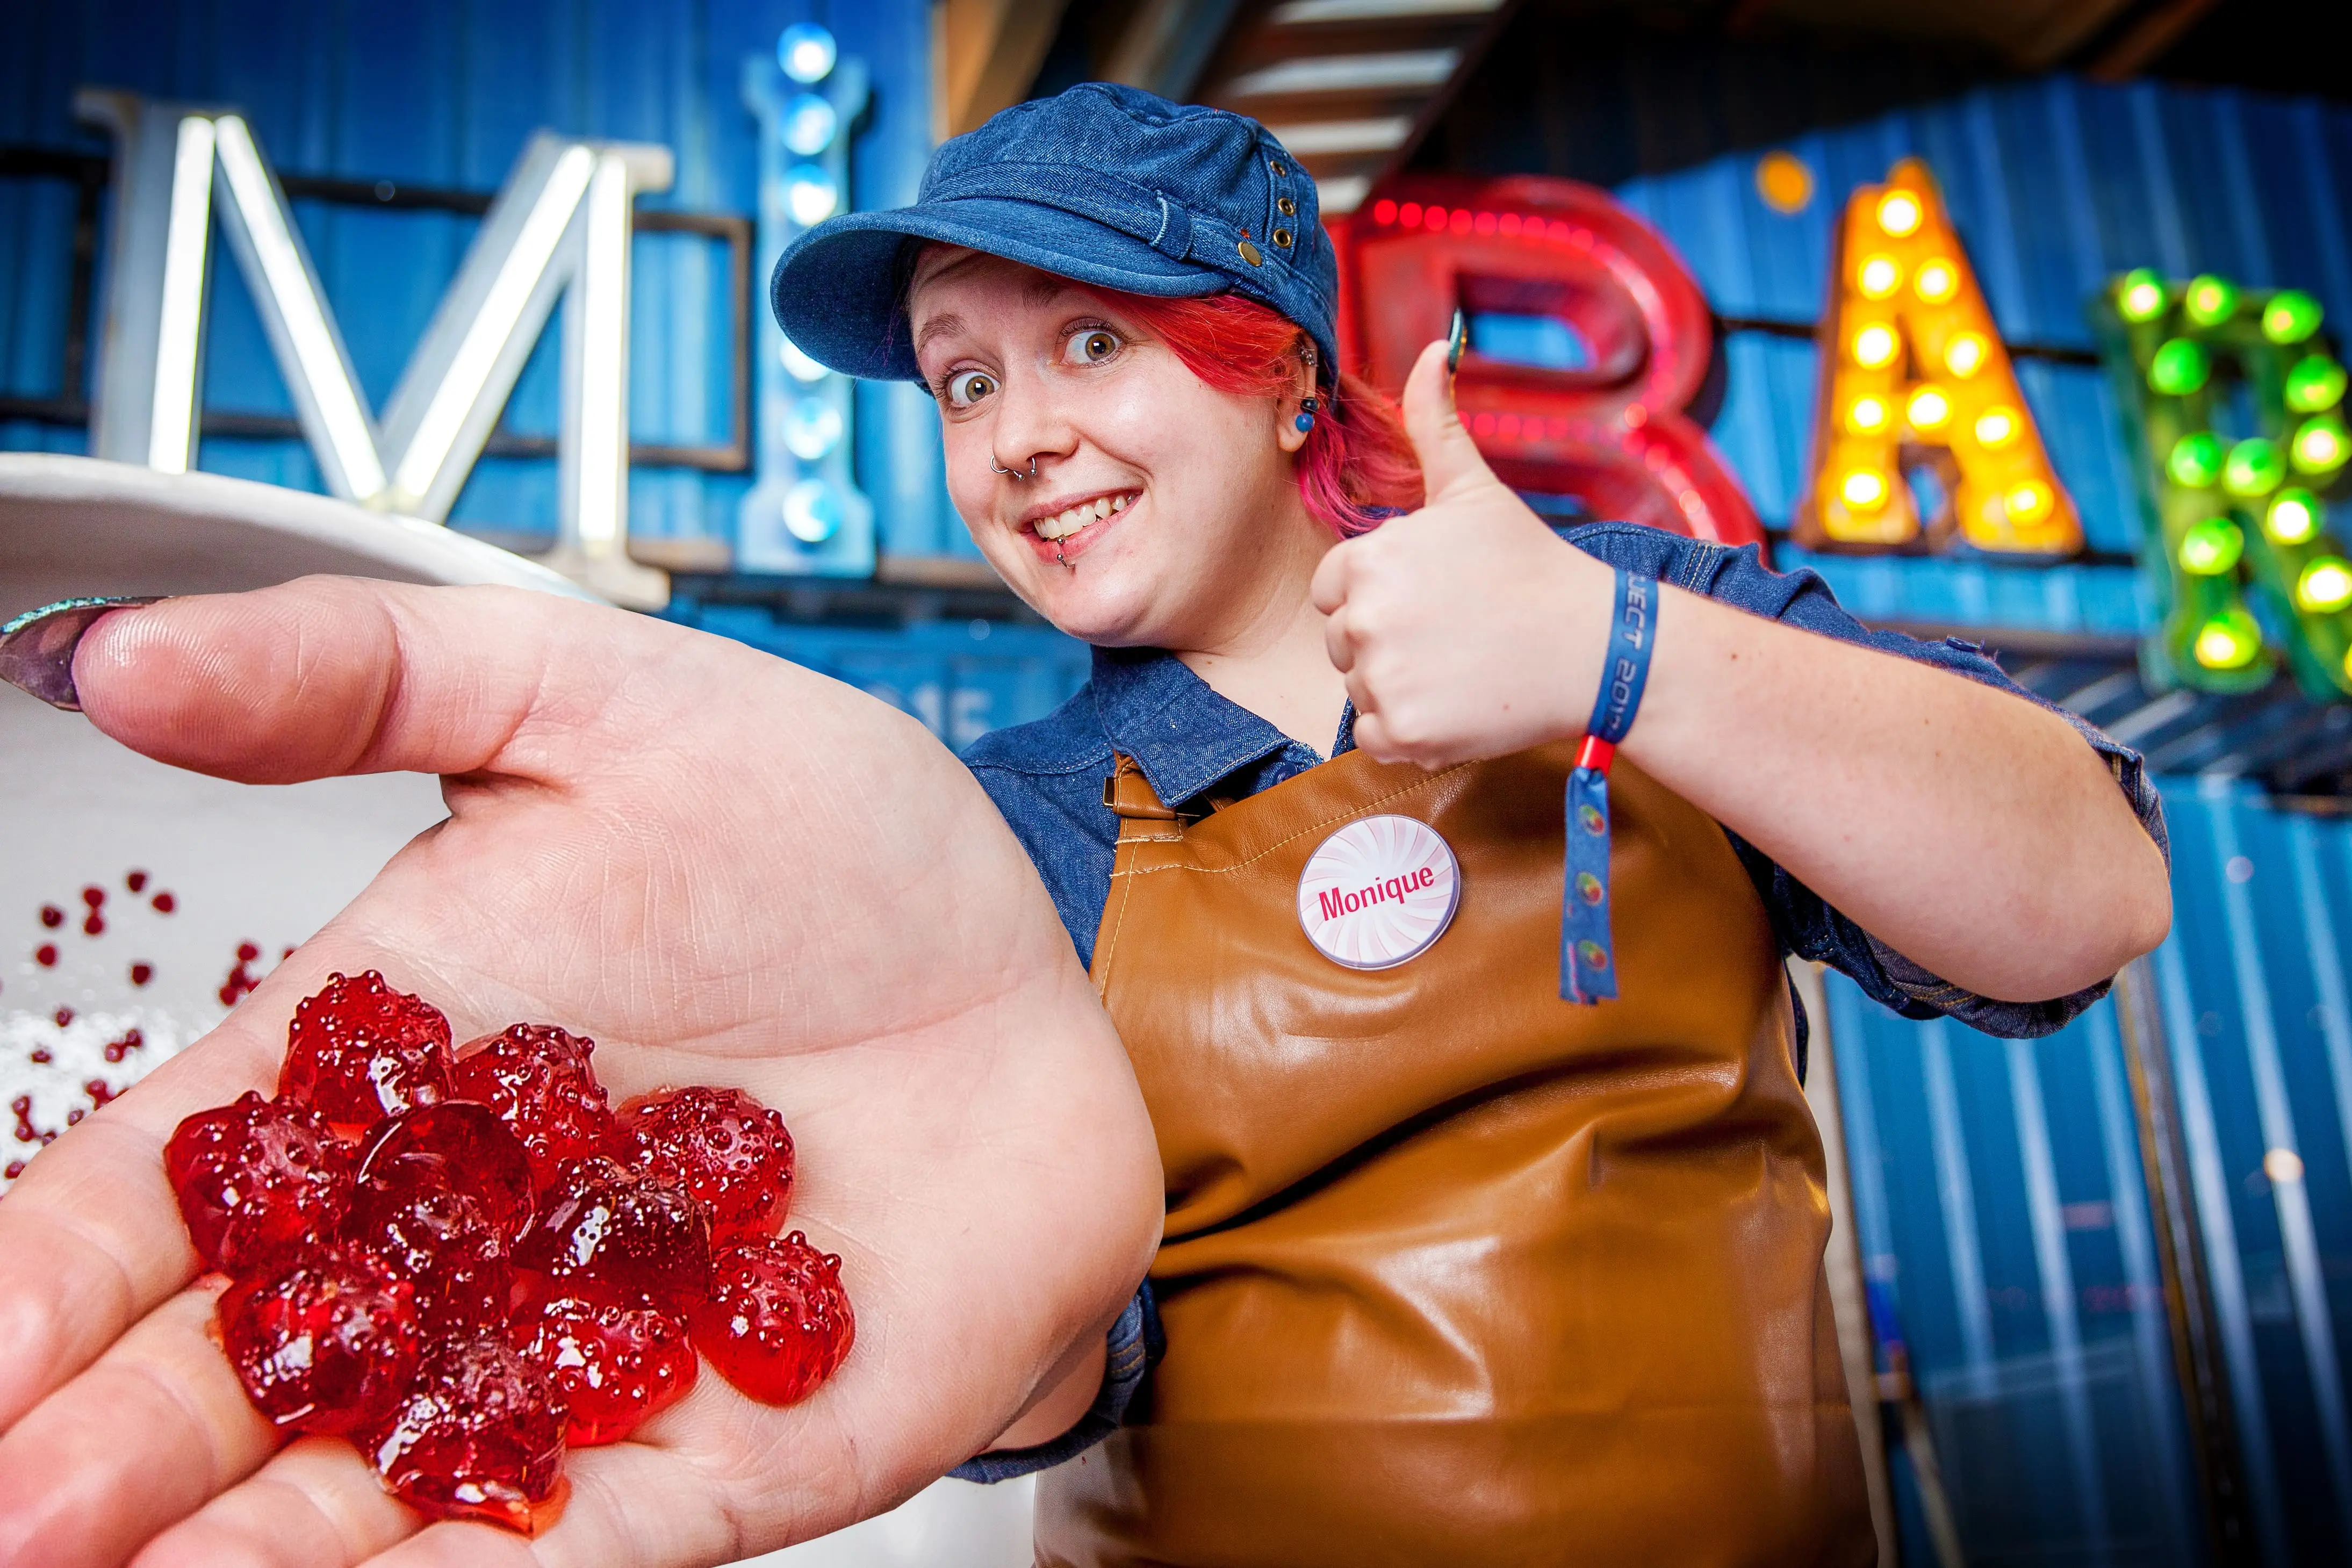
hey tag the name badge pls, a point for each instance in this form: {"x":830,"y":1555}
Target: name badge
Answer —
{"x":1378,"y":891}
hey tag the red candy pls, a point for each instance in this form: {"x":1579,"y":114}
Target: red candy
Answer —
{"x":360,"y":1051}
{"x":728,"y":1149}
{"x":616,"y":1364}
{"x":777,"y":1322}
{"x":537,"y":1079}
{"x":328,"y":1345}
{"x":465,"y":1266}
{"x":440,"y":1240}
{"x":480,"y":1436}
{"x":460,"y":1144}
{"x":254,"y":1179}
{"x":628,"y":1230}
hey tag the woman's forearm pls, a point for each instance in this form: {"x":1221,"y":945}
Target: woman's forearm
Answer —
{"x":1970,"y":830}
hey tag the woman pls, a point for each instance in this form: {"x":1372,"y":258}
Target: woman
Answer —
{"x":1454,"y":1269}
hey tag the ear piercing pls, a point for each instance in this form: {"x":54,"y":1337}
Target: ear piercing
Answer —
{"x":1306,"y":420}
{"x":1016,"y":473}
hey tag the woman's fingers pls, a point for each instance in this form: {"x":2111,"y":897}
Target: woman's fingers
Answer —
{"x":315,"y":1504}
{"x":141,"y":1440}
{"x":90,"y":1237}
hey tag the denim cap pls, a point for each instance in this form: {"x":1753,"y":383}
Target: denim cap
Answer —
{"x":1106,"y":184}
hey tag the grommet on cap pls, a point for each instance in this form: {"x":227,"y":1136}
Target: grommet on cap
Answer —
{"x":1250,"y":253}
{"x":1282,"y":239}
{"x":1285,"y":206}
{"x":1275,"y":166}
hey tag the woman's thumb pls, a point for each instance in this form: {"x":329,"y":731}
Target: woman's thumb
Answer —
{"x":1449,"y":459}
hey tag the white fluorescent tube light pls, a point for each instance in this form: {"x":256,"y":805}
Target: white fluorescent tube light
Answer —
{"x":293,"y":292}
{"x":171,"y":425}
{"x":502,"y":308}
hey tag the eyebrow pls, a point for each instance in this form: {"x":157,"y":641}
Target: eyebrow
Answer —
{"x":938,"y":326}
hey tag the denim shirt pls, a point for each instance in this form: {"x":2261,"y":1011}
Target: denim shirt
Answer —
{"x":1196,"y":747}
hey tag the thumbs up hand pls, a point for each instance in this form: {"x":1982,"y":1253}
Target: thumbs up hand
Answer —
{"x":1465,"y":629}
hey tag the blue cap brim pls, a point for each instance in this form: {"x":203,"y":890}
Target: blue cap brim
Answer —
{"x":836,"y":288}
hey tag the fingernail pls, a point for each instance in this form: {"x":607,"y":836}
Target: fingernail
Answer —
{"x":37,"y":648}
{"x":1457,"y":338}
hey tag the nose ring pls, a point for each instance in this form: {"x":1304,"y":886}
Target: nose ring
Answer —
{"x":1016,"y":473}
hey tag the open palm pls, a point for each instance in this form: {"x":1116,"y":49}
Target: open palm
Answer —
{"x":726,"y":870}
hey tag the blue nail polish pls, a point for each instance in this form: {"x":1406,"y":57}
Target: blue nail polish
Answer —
{"x":37,"y":648}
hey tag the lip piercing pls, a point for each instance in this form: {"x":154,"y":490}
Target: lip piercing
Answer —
{"x":1016,"y":473}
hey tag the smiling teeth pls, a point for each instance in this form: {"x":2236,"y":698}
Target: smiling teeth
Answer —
{"x":1061,"y":525}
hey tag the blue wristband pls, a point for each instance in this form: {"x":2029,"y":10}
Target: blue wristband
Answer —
{"x":1587,"y":965}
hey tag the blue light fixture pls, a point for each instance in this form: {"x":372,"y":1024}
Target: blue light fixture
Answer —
{"x":806,"y":51}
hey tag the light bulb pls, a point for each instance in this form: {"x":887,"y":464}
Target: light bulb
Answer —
{"x":2325,"y":586}
{"x":2195,"y":459}
{"x":2141,"y":297}
{"x":1899,"y":213}
{"x":2292,"y":517}
{"x":1928,"y":408}
{"x":1937,"y":280}
{"x":2254,"y":467}
{"x":2229,"y":641}
{"x":2210,"y":300}
{"x":2209,"y":548}
{"x":1875,"y":346}
{"x":2321,"y":446}
{"x":1997,"y":426}
{"x":2290,"y":317}
{"x":2180,"y":367}
{"x":1878,"y":277}
{"x":2027,"y":501}
{"x":809,"y":122}
{"x":2315,"y":381}
{"x":810,"y":194}
{"x":1965,"y":353}
{"x":1866,"y":416}
{"x":1864,"y":489}
{"x":806,"y":51}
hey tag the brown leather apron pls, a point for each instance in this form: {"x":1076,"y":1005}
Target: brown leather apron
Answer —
{"x":1456,"y":1272}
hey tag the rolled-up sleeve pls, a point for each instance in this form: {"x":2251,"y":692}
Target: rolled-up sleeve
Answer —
{"x":1807,"y":925}
{"x":1135,"y":1342}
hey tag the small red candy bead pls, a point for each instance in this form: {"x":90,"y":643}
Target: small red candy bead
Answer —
{"x":777,"y":1322}
{"x":617,"y":1363}
{"x":328,"y":1345}
{"x":603,"y":1223}
{"x":359,"y":1051}
{"x":438,"y":1239}
{"x":480,"y":1436}
{"x":539,"y":1080}
{"x":728,"y":1149}
{"x":460,"y":1143}
{"x":255,"y":1179}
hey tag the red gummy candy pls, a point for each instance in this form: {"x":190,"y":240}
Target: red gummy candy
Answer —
{"x":254,"y":1179}
{"x":537,"y":1079}
{"x":359,"y":1051}
{"x":438,"y":1239}
{"x":725,"y":1147}
{"x":615,"y":1363}
{"x":459,"y":1143}
{"x":604,"y":1223}
{"x":777,"y":1322}
{"x":326,"y":1346}
{"x":480,"y":1436}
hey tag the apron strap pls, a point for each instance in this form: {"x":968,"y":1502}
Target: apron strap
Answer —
{"x":1142,"y":817}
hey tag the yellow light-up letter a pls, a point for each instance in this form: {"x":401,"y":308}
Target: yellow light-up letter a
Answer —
{"x":1915,"y":378}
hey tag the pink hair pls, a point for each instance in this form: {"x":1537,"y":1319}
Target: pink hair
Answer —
{"x":1357,"y":467}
